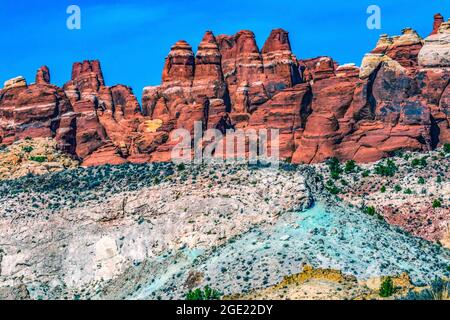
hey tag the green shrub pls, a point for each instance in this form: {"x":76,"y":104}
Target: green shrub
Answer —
{"x":206,"y":294}
{"x":181,"y":167}
{"x":397,"y":188}
{"x":350,"y":166}
{"x":437,"y":203}
{"x":331,"y":187}
{"x":386,"y":169}
{"x":421,"y":180}
{"x":447,"y":148}
{"x":335,"y":168}
{"x":387,"y":288}
{"x":365,"y":173}
{"x":383,"y":189}
{"x":422,"y":162}
{"x":371,"y":211}
{"x":27,"y":149}
{"x":408,"y":191}
{"x":38,"y":158}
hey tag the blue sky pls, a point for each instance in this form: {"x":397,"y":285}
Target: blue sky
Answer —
{"x":131,"y":38}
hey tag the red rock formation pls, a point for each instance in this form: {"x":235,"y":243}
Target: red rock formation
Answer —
{"x":108,"y":119}
{"x":179,"y":66}
{"x":43,"y":75}
{"x":398,"y":99}
{"x":438,"y":20}
{"x":243,"y":71}
{"x":280,"y":65}
{"x":208,"y":71}
{"x":332,"y":97}
{"x":82,"y":91}
{"x":287,"y":112}
{"x":35,"y":111}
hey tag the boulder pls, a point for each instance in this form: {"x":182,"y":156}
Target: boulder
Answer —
{"x":436,"y":50}
{"x":17,"y":82}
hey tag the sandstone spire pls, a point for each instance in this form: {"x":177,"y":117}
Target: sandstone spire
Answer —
{"x":438,"y":20}
{"x":280,"y":65}
{"x":208,"y":60}
{"x":43,"y":75}
{"x":180,"y":64}
{"x":278,"y":41}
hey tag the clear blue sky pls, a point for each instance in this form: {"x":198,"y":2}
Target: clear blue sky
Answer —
{"x":131,"y":38}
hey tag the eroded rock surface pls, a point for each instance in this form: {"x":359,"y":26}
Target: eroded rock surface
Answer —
{"x":397,"y":99}
{"x":159,"y":230}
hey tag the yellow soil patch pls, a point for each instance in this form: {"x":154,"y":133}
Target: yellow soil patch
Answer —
{"x":324,"y":284}
{"x":152,"y":126}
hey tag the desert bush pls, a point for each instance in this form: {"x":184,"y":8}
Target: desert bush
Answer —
{"x":27,"y":149}
{"x":206,"y":294}
{"x":332,"y":188}
{"x":408,"y":191}
{"x":365,"y":173}
{"x":350,"y":166}
{"x":387,"y":288}
{"x":447,"y":148}
{"x":39,"y":159}
{"x":386,"y":169}
{"x":422,"y":162}
{"x":437,"y":203}
{"x":335,"y":168}
{"x":371,"y":211}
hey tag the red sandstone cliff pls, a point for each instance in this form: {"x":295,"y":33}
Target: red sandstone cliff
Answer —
{"x":399,"y":98}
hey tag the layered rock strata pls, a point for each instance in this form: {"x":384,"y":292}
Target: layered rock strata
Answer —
{"x":397,"y":99}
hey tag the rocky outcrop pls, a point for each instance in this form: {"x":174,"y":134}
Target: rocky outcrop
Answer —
{"x":33,"y":156}
{"x":402,"y":49}
{"x":89,"y":120}
{"x":108,"y":119}
{"x":438,"y":20}
{"x":17,"y":82}
{"x":243,"y":70}
{"x":326,"y":126}
{"x":394,"y":104}
{"x":33,"y":111}
{"x":233,"y":86}
{"x":436,"y":51}
{"x":280,"y":65}
{"x":43,"y":75}
{"x":397,"y":99}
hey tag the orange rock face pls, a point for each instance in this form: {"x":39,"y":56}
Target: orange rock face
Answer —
{"x":43,"y":75}
{"x":398,"y":99}
{"x":37,"y":110}
{"x":438,"y":20}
